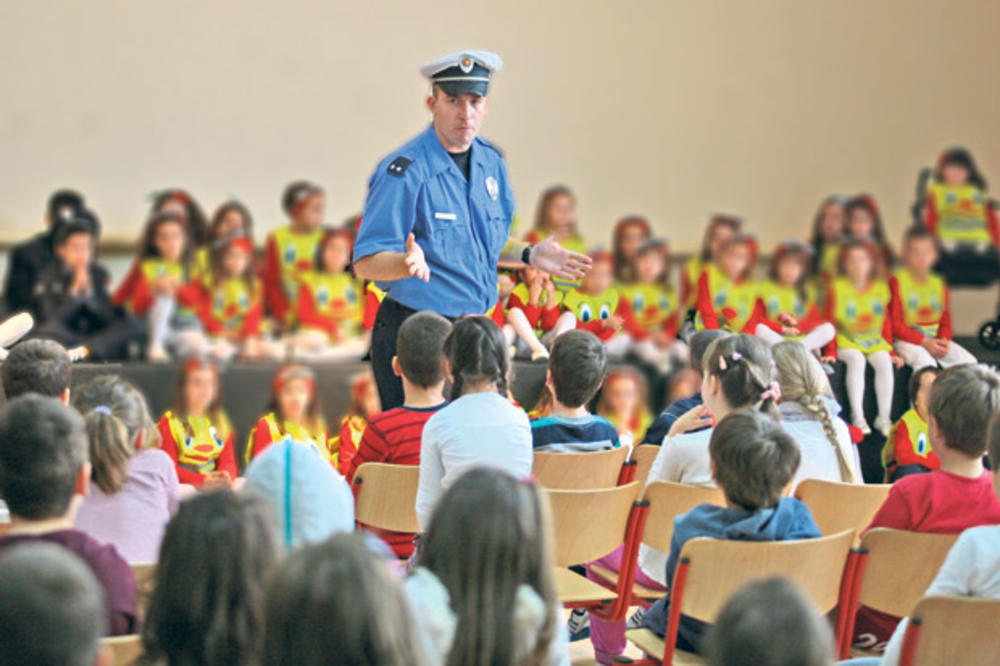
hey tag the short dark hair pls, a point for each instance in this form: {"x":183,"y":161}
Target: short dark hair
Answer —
{"x":36,"y":366}
{"x":63,"y":204}
{"x":701,"y":341}
{"x":420,"y":348}
{"x":43,"y":445}
{"x":918,"y":375}
{"x":297,"y":191}
{"x":918,"y":232}
{"x":64,"y":230}
{"x":578,"y":363}
{"x":754,"y":459}
{"x":964,"y":399}
{"x":52,"y":609}
{"x":766,"y":623}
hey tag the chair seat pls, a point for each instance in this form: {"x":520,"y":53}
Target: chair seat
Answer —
{"x":574,"y":588}
{"x":638,"y":589}
{"x":859,"y":653}
{"x":653,"y":645}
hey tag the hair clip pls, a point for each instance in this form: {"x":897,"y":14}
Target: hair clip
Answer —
{"x":736,"y":356}
{"x":722,"y":363}
{"x":774,"y":393}
{"x":102,"y":409}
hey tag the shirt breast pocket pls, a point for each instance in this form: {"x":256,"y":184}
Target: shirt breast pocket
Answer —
{"x":444,"y":232}
{"x":497,"y":228}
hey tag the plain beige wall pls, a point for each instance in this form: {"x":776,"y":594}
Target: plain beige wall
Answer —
{"x":668,"y":108}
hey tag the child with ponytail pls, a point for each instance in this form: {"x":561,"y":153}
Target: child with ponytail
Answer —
{"x":808,"y":413}
{"x":480,"y":427}
{"x":134,"y":489}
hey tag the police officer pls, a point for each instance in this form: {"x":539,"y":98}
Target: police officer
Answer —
{"x":438,"y":215}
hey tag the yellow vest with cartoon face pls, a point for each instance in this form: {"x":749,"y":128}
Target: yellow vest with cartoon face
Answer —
{"x":588,"y":308}
{"x":231,"y":300}
{"x":335,"y":296}
{"x":860,"y":315}
{"x":733,"y":302}
{"x":296,"y":254}
{"x":779,"y":298}
{"x":652,"y":304}
{"x":961,"y":213}
{"x":923,"y":303}
{"x":200,"y":444}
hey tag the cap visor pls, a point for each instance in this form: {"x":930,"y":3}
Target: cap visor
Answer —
{"x":456,"y":88}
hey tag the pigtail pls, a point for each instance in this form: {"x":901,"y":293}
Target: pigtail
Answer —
{"x":477,"y":351}
{"x":815,"y":406}
{"x":745,"y":368}
{"x":110,"y":449}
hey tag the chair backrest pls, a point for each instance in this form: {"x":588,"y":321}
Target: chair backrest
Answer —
{"x":899,"y":567}
{"x":841,"y":506}
{"x":145,"y":580}
{"x":952,"y":630}
{"x":124,"y":649}
{"x":644,"y":455}
{"x":589,"y":524}
{"x":667,"y":500}
{"x":717,"y":568}
{"x":386,"y":496}
{"x":579,"y":471}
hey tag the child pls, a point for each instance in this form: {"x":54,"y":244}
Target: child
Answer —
{"x":908,"y":448}
{"x":328,"y":307}
{"x":718,"y":232}
{"x":957,"y":210}
{"x":955,"y":497}
{"x":858,"y":305}
{"x":134,"y":489}
{"x":338,"y":583}
{"x":231,"y":220}
{"x":921,"y":320}
{"x":654,"y":306}
{"x":789,"y":300}
{"x":533,"y":310}
{"x":864,"y":222}
{"x":364,"y":405}
{"x":597,"y":306}
{"x":207,"y":605}
{"x":769,"y":623}
{"x":623,"y":403}
{"x":179,"y":201}
{"x":753,"y":460}
{"x":630,"y":233}
{"x":576,"y":371}
{"x":809,"y":414}
{"x":196,"y":432}
{"x":37,"y":366}
{"x":556,"y":216}
{"x":483,"y":591}
{"x":727,"y":298}
{"x":480,"y":426}
{"x":291,"y":249}
{"x":294,"y":412}
{"x":43,"y":469}
{"x":973,"y":563}
{"x":152,"y":286}
{"x":394,"y":435}
{"x":828,"y":231}
{"x":51,"y":610}
{"x":71,"y":301}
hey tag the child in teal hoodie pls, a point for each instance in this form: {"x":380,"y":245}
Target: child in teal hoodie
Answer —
{"x":753,"y":461}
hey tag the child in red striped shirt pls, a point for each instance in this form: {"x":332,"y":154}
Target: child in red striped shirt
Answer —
{"x":394,"y":435}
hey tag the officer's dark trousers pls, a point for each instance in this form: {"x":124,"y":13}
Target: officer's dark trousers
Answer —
{"x":390,"y":317}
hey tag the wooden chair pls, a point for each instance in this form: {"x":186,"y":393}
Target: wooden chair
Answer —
{"x":145,"y":580}
{"x":124,"y":650}
{"x":644,"y":455}
{"x":587,"y":525}
{"x":841,"y":506}
{"x":579,"y":471}
{"x":711,"y":570}
{"x":385,"y":496}
{"x":894,"y":568}
{"x":952,"y":630}
{"x":666,"y":501}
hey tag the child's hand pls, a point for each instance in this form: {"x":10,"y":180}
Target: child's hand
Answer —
{"x":692,"y":419}
{"x":827,"y":358}
{"x":935,"y":346}
{"x":614,"y":321}
{"x":81,"y":283}
{"x":220,"y":479}
{"x":165,"y":285}
{"x":788,"y":320}
{"x":898,"y":361}
{"x":790,"y":331}
{"x":534,"y":291}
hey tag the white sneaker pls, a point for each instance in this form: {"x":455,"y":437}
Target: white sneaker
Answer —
{"x":635,"y":622}
{"x":863,"y":427}
{"x":883,"y":425}
{"x":157,"y":354}
{"x":578,"y":624}
{"x":539,"y":355}
{"x":77,"y":354}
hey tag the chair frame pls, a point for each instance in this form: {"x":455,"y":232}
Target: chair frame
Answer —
{"x":914,"y":629}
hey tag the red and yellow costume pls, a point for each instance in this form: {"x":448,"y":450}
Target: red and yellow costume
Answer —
{"x":345,"y":444}
{"x":288,"y":256}
{"x":592,"y":310}
{"x":961,"y":214}
{"x":135,"y":292}
{"x":689,"y":281}
{"x":778,"y":299}
{"x":908,"y":444}
{"x":198,"y":445}
{"x":229,"y":307}
{"x":543,"y":315}
{"x":919,"y":309}
{"x":268,"y":430}
{"x":653,"y":307}
{"x":861,"y":316}
{"x":725,"y":303}
{"x":330,"y":303}
{"x":373,"y":299}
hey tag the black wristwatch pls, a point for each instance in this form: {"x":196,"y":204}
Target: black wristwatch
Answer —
{"x":526,"y":255}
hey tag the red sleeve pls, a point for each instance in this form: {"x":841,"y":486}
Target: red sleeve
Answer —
{"x":307,"y":314}
{"x":759,"y":316}
{"x":686,"y":286}
{"x":274,"y":294}
{"x":900,"y":440}
{"x":811,"y":320}
{"x":631,"y":325}
{"x":260,"y":439}
{"x":531,"y":312}
{"x":993,"y":223}
{"x":894,"y":513}
{"x":831,"y":307}
{"x":253,"y":318}
{"x":549,"y":317}
{"x":134,"y":291}
{"x":169,"y":445}
{"x":371,"y":310}
{"x":226,"y":462}
{"x":371,"y":448}
{"x":944,"y":325}
{"x":346,"y":452}
{"x":899,"y":327}
{"x":704,"y":303}
{"x":672,"y":324}
{"x":930,"y":214}
{"x":497,"y":314}
{"x":597,"y":327}
{"x":887,"y":332}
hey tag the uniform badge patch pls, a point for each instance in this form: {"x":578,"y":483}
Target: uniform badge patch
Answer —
{"x":492,"y":187}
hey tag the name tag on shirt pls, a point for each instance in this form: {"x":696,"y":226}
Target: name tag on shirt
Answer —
{"x":445,"y":216}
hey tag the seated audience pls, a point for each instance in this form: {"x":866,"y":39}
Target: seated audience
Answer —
{"x":577,"y":365}
{"x":52,"y":610}
{"x":207,"y":605}
{"x":134,"y":488}
{"x":908,"y":448}
{"x":37,"y":366}
{"x":309,"y":500}
{"x":480,"y":427}
{"x":339,"y":584}
{"x":43,"y":474}
{"x":624,"y":403}
{"x":295,"y":413}
{"x":482,"y":590}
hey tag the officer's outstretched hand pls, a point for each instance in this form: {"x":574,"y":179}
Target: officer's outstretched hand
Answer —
{"x":550,"y":257}
{"x":415,"y":262}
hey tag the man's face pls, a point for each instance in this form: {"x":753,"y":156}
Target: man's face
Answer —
{"x":457,"y":119}
{"x":75,"y":251}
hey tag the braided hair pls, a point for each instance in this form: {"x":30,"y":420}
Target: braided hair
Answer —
{"x":477,"y":351}
{"x":803,"y":381}
{"x":745,"y":370}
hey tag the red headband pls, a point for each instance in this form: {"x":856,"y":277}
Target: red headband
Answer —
{"x":291,"y":372}
{"x":243,"y":243}
{"x":193,"y":364}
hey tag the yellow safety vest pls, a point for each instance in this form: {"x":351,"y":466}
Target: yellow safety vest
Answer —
{"x":860,"y":315}
{"x":587,"y":308}
{"x":961,"y":213}
{"x":296,"y":253}
{"x":335,"y":296}
{"x":733,"y":303}
{"x":200,"y":443}
{"x":652,"y":304}
{"x":923,"y":303}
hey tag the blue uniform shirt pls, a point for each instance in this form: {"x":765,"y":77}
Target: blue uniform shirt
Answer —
{"x":461,"y":225}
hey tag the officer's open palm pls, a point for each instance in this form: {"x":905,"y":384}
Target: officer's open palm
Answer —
{"x":416,"y":265}
{"x":552,"y":258}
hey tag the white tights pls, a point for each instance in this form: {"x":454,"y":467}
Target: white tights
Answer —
{"x":917,"y":357}
{"x":813,"y":340}
{"x":884,"y":377}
